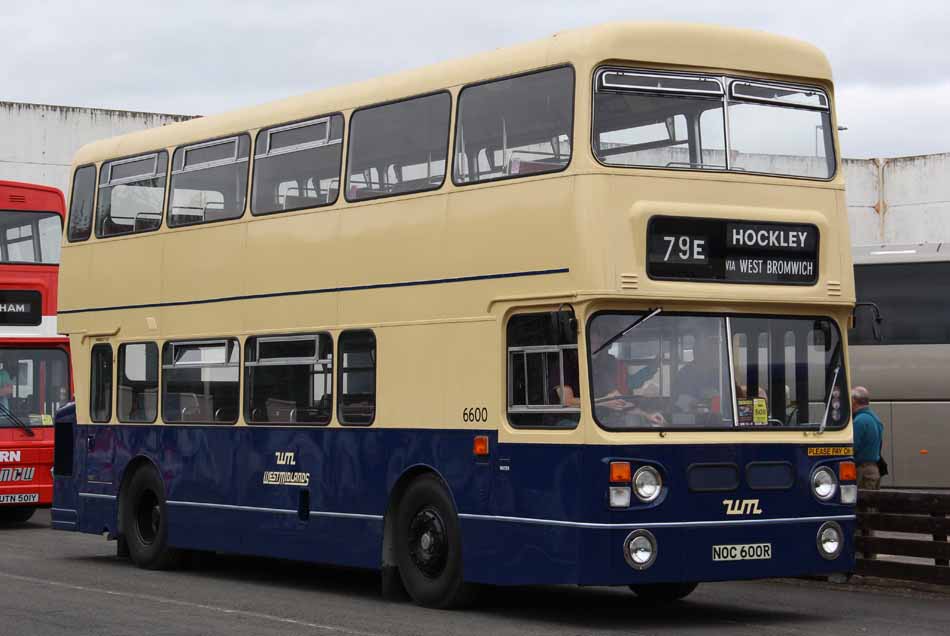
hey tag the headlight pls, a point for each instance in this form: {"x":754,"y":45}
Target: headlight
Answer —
{"x":830,"y":540}
{"x":849,"y":493}
{"x":647,"y":484}
{"x":619,"y":496}
{"x":824,"y":484}
{"x":639,"y":549}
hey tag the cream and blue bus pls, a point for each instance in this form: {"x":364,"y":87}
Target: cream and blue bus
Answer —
{"x":572,"y":312}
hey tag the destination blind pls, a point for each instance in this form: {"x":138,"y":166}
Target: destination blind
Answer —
{"x":732,"y":251}
{"x":20,"y":307}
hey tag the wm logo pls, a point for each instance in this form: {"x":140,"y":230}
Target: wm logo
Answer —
{"x":742,"y":506}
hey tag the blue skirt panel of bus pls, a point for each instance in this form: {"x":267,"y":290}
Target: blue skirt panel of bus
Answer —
{"x":530,"y":513}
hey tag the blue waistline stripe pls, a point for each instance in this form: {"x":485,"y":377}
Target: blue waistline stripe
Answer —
{"x":329,"y":290}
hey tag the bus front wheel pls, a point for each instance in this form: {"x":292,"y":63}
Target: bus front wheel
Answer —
{"x":16,"y":515}
{"x":663,"y":592}
{"x":145,"y":522}
{"x":428,"y":546}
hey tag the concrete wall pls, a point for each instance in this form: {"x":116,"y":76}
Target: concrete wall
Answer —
{"x":37,"y":141}
{"x":899,"y":201}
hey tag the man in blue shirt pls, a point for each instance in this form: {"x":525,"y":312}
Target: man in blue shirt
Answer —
{"x":868,"y":433}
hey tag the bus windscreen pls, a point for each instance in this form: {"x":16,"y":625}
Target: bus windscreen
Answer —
{"x":34,"y":384}
{"x":714,"y":372}
{"x":30,"y":237}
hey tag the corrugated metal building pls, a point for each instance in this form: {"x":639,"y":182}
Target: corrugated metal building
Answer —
{"x":38,"y":141}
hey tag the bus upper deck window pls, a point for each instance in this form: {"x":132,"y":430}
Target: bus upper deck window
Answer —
{"x":515,"y":127}
{"x":209,"y":181}
{"x":398,"y":148}
{"x":297,"y":165}
{"x":678,"y":121}
{"x":131,"y":195}
{"x":80,"y":203}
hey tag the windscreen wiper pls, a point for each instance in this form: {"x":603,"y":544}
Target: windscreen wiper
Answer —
{"x":831,"y":389}
{"x":623,"y":332}
{"x":4,"y":411}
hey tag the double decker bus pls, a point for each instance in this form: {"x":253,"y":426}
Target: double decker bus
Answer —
{"x":34,"y":359}
{"x":569,"y":312}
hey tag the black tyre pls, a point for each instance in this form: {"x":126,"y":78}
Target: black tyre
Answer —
{"x":145,"y":522}
{"x":20,"y":514}
{"x":428,"y":545}
{"x":664,"y":592}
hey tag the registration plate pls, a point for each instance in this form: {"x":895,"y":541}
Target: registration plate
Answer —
{"x":742,"y":552}
{"x":20,"y":498}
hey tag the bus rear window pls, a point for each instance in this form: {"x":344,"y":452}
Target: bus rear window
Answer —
{"x":515,"y":127}
{"x":30,"y":237}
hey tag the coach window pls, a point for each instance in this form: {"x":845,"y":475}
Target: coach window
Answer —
{"x":297,"y":165}
{"x":200,"y":382}
{"x":357,"y":402}
{"x":137,"y":400}
{"x":131,"y":194}
{"x":288,"y":379}
{"x":100,"y":383}
{"x":209,"y":181}
{"x":80,"y":203}
{"x":398,"y":148}
{"x":515,"y":127}
{"x":543,"y":380}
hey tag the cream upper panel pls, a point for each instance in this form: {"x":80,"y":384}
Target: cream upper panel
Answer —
{"x":675,"y":45}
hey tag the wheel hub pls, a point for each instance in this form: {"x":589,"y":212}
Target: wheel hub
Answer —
{"x":428,"y":544}
{"x":148,"y":517}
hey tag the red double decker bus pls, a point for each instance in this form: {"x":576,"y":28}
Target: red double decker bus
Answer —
{"x":34,"y":359}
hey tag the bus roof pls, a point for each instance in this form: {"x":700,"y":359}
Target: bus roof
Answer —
{"x":669,"y":44}
{"x":15,"y":195}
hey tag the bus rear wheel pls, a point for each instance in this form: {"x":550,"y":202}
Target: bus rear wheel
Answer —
{"x":428,"y":546}
{"x":145,"y":522}
{"x":663,"y":592}
{"x":20,"y":514}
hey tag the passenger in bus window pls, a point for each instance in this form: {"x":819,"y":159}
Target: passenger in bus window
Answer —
{"x":697,"y":382}
{"x":614,"y":404}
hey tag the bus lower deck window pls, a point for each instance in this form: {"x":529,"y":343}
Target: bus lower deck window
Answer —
{"x":137,"y":399}
{"x":543,"y":379}
{"x":200,"y":382}
{"x":357,"y":402}
{"x":100,"y":383}
{"x":289,"y":379}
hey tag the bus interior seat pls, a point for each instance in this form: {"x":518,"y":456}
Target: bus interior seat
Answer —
{"x":292,"y":202}
{"x":145,"y":221}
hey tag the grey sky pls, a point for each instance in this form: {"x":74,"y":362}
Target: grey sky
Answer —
{"x":891,"y":60}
